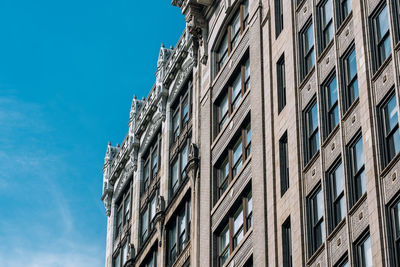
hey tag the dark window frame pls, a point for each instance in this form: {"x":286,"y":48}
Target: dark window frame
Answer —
{"x":314,"y":224}
{"x":284,"y":163}
{"x":233,"y":102}
{"x":151,"y":258}
{"x":243,"y":205}
{"x":328,"y":27}
{"x":179,"y":159}
{"x":175,"y":222}
{"x":281,"y":82}
{"x":335,"y":198}
{"x":232,"y":40}
{"x":150,"y":217}
{"x":341,"y":11}
{"x":240,"y":139}
{"x":121,"y":208}
{"x":358,"y":250}
{"x":178,"y":108}
{"x":396,"y":19}
{"x":304,"y":68}
{"x":278,"y":17}
{"x":154,"y":147}
{"x":377,"y":42}
{"x":287,"y":243}
{"x":394,"y":231}
{"x":355,"y":174}
{"x":388,"y":149}
{"x":330,"y":111}
{"x":309,"y":135}
{"x":348,"y":82}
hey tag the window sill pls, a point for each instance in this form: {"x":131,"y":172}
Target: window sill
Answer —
{"x":230,"y":118}
{"x":390,"y":165}
{"x":325,"y":51}
{"x":337,"y":228}
{"x":358,"y":203}
{"x":316,"y":253}
{"x":330,"y":136}
{"x":381,"y":68}
{"x":183,"y":256}
{"x":311,"y":161}
{"x":238,"y":247}
{"x":228,"y":60}
{"x":306,"y":78}
{"x":344,"y":23}
{"x":350,"y":109}
{"x":231,"y":184}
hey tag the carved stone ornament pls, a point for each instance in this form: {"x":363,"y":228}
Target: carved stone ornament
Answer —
{"x":159,"y":217}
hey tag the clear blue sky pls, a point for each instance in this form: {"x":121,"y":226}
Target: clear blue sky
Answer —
{"x":68,"y":71}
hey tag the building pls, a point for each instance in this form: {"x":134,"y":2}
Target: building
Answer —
{"x":270,"y":138}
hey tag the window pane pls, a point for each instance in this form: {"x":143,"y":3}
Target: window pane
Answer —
{"x":224,"y":171}
{"x":318,"y":206}
{"x":391,"y":114}
{"x":117,"y":260}
{"x":338,"y":181}
{"x":175,"y":176}
{"x":185,"y":111}
{"x":153,"y":208}
{"x":184,"y":156}
{"x":238,"y":220}
{"x":127,"y":208}
{"x":124,"y":253}
{"x":144,"y":223}
{"x":383,"y":23}
{"x":366,"y":253}
{"x":223,"y":111}
{"x":223,"y":244}
{"x":223,"y":51}
{"x":175,"y":125}
{"x":235,"y":29}
{"x":346,"y":7}
{"x":314,"y":118}
{"x":154,"y":162}
{"x":309,"y":41}
{"x":352,"y":64}
{"x":247,"y":69}
{"x":332,"y":93}
{"x":327,"y":12}
{"x":396,"y":215}
{"x":236,"y":94}
{"x":359,"y":155}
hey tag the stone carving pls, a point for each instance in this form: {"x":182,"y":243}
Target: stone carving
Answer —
{"x":159,"y":217}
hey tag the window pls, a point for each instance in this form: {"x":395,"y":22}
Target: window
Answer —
{"x":396,"y":18}
{"x":181,"y":110}
{"x":325,"y":23}
{"x":231,"y":164}
{"x":330,"y":103}
{"x":310,"y":116}
{"x":281,"y":78}
{"x":117,"y":260}
{"x":350,"y":81}
{"x":344,"y":9}
{"x":123,"y":210}
{"x":337,"y":209}
{"x":121,"y":256}
{"x":390,"y":129}
{"x":178,"y":232}
{"x":179,"y":163}
{"x":343,"y":263}
{"x":286,"y":244}
{"x":381,"y":36}
{"x":363,"y":256}
{"x":151,"y":259}
{"x":395,"y":231}
{"x":151,"y":162}
{"x":235,"y":229}
{"x":278,"y":17}
{"x":284,"y":163}
{"x":234,"y":30}
{"x":307,"y":60}
{"x":357,"y":169}
{"x":147,"y":216}
{"x":316,"y":220}
{"x":230,"y":98}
